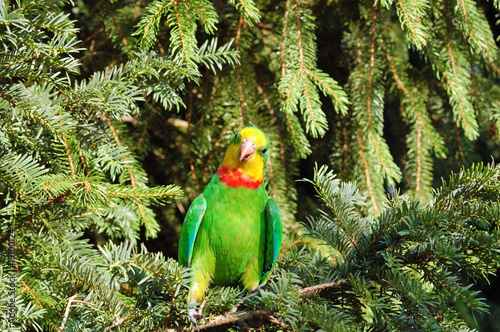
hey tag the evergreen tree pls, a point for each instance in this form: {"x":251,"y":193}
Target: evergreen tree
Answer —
{"x":115,"y":115}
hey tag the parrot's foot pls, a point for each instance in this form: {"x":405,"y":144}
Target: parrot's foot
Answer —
{"x":194,"y":315}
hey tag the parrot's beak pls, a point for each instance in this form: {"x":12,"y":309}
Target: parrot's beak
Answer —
{"x":247,"y":148}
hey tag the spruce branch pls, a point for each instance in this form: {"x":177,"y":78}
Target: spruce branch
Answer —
{"x":367,"y":172}
{"x":241,"y":317}
{"x":456,"y":80}
{"x":410,"y":15}
{"x":238,"y":73}
{"x":144,"y":131}
{"x":248,"y":10}
{"x":124,"y":40}
{"x":66,"y":312}
{"x":474,"y":27}
{"x":189,"y":141}
{"x":430,"y":132}
{"x":233,"y":316}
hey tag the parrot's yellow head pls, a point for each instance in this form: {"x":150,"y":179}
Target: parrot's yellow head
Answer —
{"x":243,"y":164}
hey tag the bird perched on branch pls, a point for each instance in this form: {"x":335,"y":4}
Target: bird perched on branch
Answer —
{"x":232,"y":232}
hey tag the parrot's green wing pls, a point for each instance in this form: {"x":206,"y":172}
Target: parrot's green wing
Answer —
{"x":190,"y":228}
{"x":274,"y":234}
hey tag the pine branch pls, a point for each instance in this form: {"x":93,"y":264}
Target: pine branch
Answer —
{"x":430,"y":131}
{"x":238,"y":74}
{"x":456,"y":79}
{"x":248,"y":10}
{"x":233,"y":316}
{"x":367,"y":174}
{"x":125,"y":42}
{"x":301,"y":79}
{"x":475,"y":29}
{"x":66,"y":312}
{"x":411,"y":15}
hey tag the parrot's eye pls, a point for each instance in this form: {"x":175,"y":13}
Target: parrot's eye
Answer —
{"x":264,"y":151}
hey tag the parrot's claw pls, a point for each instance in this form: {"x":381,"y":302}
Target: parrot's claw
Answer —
{"x":194,"y":315}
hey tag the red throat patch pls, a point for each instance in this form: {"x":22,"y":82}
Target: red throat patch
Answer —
{"x":235,"y":178}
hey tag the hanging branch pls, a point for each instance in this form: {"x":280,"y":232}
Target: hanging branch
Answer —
{"x":125,"y":42}
{"x":367,"y":172}
{"x":238,"y":73}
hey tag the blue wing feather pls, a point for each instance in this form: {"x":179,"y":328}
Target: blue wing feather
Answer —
{"x":274,"y":234}
{"x":190,"y":228}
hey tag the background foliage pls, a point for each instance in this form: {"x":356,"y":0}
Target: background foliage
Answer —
{"x":114,"y":116}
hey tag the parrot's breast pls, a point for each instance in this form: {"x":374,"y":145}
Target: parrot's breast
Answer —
{"x":233,"y":229}
{"x":237,"y":179}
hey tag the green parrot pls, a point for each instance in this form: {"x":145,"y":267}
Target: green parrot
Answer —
{"x":232,"y":232}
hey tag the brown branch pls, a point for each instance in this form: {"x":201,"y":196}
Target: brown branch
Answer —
{"x":466,"y":17}
{"x":241,"y":316}
{"x":283,"y":70}
{"x":217,"y":144}
{"x":304,"y":292}
{"x":131,"y":174}
{"x":117,"y":140}
{"x":406,"y":92}
{"x":372,"y":67}
{"x":119,"y":29}
{"x":345,"y":147}
{"x":238,"y":73}
{"x":233,"y":317}
{"x":85,"y":167}
{"x":188,"y":138}
{"x":406,"y":16}
{"x":30,"y":291}
{"x":274,"y":121}
{"x":115,"y":324}
{"x":66,"y":312}
{"x":302,"y":65}
{"x":419,"y":161}
{"x":367,"y":172}
{"x":162,"y":194}
{"x":283,"y":36}
{"x":86,"y":302}
{"x":68,"y":154}
{"x":145,"y":130}
{"x":453,"y":66}
{"x":93,"y":35}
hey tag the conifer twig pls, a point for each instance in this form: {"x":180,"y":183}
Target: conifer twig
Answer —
{"x":70,"y":160}
{"x":238,"y":72}
{"x":318,"y":288}
{"x":188,"y":139}
{"x":367,"y":172}
{"x":145,"y":129}
{"x":66,"y":312}
{"x":125,"y":42}
{"x":283,"y":70}
{"x":274,"y":120}
{"x":131,"y":174}
{"x":233,"y":316}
